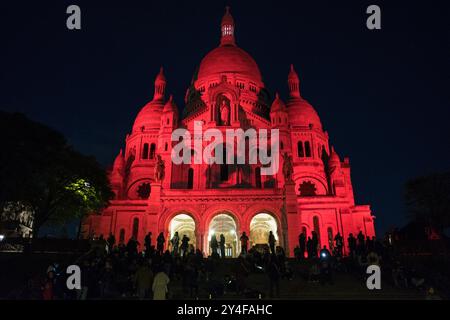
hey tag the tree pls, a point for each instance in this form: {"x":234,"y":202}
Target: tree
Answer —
{"x":428,"y":200}
{"x":40,"y":169}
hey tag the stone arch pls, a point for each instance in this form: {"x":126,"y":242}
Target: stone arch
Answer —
{"x":167,"y":217}
{"x":184,"y":225}
{"x":307,"y":227}
{"x":320,"y":185}
{"x":220,"y":209}
{"x":260,"y":227}
{"x":133,"y":188}
{"x":253,"y":210}
{"x":228,"y":91}
{"x":224,"y":89}
{"x":129,"y":228}
{"x":223,"y":222}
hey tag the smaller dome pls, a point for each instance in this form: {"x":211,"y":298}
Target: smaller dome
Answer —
{"x":170,"y":105}
{"x":118,"y":162}
{"x":149,"y":116}
{"x":278,"y":104}
{"x":301,"y":113}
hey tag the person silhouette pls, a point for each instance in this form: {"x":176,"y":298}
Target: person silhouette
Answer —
{"x":160,"y":244}
{"x":244,"y":242}
{"x":222,"y":245}
{"x":175,"y":243}
{"x":272,"y":242}
{"x":214,"y":245}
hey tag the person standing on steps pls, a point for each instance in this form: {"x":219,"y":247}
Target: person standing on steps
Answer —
{"x":272,"y":242}
{"x":148,"y":243}
{"x":244,"y":242}
{"x":214,"y":245}
{"x":175,"y":243}
{"x":160,"y":244}
{"x":302,"y":244}
{"x":222,"y":246}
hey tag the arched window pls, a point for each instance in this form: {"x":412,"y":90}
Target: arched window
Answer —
{"x":307,"y":149}
{"x":224,"y":166}
{"x":152,"y":151}
{"x":168,"y":121}
{"x":330,"y":237}
{"x":319,"y":151}
{"x":258,"y":177}
{"x":166,"y":146}
{"x":281,"y":145}
{"x":247,"y":149}
{"x":145,"y":151}
{"x":190,"y":178}
{"x":135,"y":227}
{"x":300,"y":152}
{"x":122,"y":236}
{"x":317,"y":227}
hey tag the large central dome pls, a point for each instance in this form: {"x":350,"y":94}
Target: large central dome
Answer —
{"x":229,"y":59}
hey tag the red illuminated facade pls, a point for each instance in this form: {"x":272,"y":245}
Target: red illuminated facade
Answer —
{"x":199,"y":199}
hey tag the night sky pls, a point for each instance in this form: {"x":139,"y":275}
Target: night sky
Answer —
{"x":382,"y":95}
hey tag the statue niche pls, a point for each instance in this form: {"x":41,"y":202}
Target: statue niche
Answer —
{"x":224,"y":110}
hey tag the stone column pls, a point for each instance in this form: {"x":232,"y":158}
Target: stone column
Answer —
{"x":291,"y":218}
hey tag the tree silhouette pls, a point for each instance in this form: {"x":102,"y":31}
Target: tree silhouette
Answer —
{"x":428,"y":200}
{"x":39,"y":169}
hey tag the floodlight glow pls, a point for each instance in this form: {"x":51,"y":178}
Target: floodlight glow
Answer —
{"x":2,"y":237}
{"x":211,"y":233}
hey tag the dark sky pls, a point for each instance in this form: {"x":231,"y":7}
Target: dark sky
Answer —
{"x":383,"y":95}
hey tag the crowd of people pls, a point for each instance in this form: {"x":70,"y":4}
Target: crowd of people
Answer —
{"x":117,"y":270}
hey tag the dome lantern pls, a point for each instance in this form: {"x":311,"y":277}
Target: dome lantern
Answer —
{"x":160,"y":85}
{"x":293,"y":83}
{"x":227,"y":29}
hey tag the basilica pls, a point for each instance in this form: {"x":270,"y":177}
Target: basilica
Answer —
{"x":201,"y":200}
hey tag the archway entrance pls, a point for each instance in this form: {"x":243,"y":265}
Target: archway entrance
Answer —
{"x":260,"y":227}
{"x":184,"y":225}
{"x":224,"y":224}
